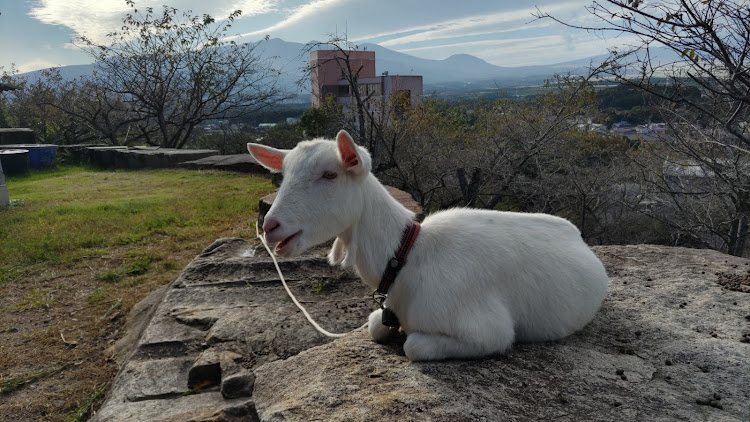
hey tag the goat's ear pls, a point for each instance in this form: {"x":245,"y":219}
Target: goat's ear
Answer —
{"x":270,"y":158}
{"x":355,"y":159}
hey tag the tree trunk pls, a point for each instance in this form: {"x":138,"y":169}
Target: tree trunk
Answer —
{"x":583,"y":217}
{"x":470,"y":188}
{"x":362,"y":127}
{"x":738,"y":236}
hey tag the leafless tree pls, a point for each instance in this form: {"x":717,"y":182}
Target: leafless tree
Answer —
{"x":702,"y":89}
{"x":168,"y":72}
{"x":516,"y":137}
{"x":36,"y":104}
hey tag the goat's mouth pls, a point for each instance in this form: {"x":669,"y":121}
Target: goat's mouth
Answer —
{"x":283,"y":247}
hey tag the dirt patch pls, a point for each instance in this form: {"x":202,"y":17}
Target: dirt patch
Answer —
{"x":739,"y":282}
{"x":57,"y":334}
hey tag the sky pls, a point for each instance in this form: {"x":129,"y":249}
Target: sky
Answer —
{"x":36,"y":34}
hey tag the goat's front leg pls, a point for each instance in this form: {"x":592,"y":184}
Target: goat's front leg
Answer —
{"x":378,"y":331}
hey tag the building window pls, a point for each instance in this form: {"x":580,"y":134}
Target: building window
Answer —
{"x":329,"y":91}
{"x":369,"y":90}
{"x":343,"y":90}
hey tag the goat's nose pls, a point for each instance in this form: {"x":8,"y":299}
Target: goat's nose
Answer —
{"x":270,"y":224}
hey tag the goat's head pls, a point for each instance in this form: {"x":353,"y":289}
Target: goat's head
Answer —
{"x":320,"y":195}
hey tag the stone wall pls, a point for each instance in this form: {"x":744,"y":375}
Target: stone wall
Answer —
{"x":143,"y":157}
{"x":10,"y":136}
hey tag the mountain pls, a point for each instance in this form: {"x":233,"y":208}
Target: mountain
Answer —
{"x":291,"y":58}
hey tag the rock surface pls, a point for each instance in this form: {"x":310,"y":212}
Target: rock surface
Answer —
{"x":141,"y":157}
{"x":225,"y":315}
{"x":666,"y":345}
{"x":243,"y":163}
{"x":16,"y":135}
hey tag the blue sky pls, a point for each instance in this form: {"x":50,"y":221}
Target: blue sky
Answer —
{"x":37,"y":34}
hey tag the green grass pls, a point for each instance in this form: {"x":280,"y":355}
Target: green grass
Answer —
{"x":11,"y":384}
{"x":138,"y":267}
{"x":84,"y":410}
{"x":330,"y":282}
{"x":74,"y":213}
{"x":36,"y":298}
{"x":79,"y":248}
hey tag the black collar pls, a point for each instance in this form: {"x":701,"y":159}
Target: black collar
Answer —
{"x":391,"y":271}
{"x":398,"y":261}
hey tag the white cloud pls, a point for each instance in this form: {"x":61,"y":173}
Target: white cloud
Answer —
{"x":35,"y":65}
{"x":248,"y":7}
{"x":497,"y":31}
{"x":522,"y":51}
{"x":515,"y":43}
{"x":296,"y":16}
{"x":92,"y":19}
{"x":475,"y":25}
{"x":95,"y":19}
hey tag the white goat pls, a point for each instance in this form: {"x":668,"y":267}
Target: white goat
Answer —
{"x":475,"y":281}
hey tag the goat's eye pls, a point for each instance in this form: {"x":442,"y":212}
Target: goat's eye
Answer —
{"x":330,"y":175}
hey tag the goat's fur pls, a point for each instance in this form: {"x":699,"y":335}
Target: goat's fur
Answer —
{"x":475,"y":280}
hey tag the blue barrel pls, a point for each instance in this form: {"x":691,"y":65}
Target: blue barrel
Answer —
{"x":15,"y":161}
{"x":40,"y":155}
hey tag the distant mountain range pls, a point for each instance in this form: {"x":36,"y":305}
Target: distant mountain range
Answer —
{"x":455,"y":71}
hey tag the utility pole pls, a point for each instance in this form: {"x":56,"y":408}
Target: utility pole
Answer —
{"x":4,"y":197}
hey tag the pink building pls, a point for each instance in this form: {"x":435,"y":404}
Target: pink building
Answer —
{"x":329,"y":79}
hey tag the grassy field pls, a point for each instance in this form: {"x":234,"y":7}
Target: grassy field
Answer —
{"x":78,"y":248}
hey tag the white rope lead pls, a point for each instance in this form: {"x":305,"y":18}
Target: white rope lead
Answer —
{"x":320,"y":329}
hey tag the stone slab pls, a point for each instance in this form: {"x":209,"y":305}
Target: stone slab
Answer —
{"x":16,"y":135}
{"x":75,"y":154}
{"x":143,"y":157}
{"x":206,"y":407}
{"x":242,"y":163}
{"x":154,"y":379}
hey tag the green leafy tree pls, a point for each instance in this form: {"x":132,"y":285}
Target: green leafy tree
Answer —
{"x":32,"y":106}
{"x":324,"y":121}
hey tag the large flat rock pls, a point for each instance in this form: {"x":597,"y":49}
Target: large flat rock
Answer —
{"x":666,"y":345}
{"x":670,"y":343}
{"x":242,"y":163}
